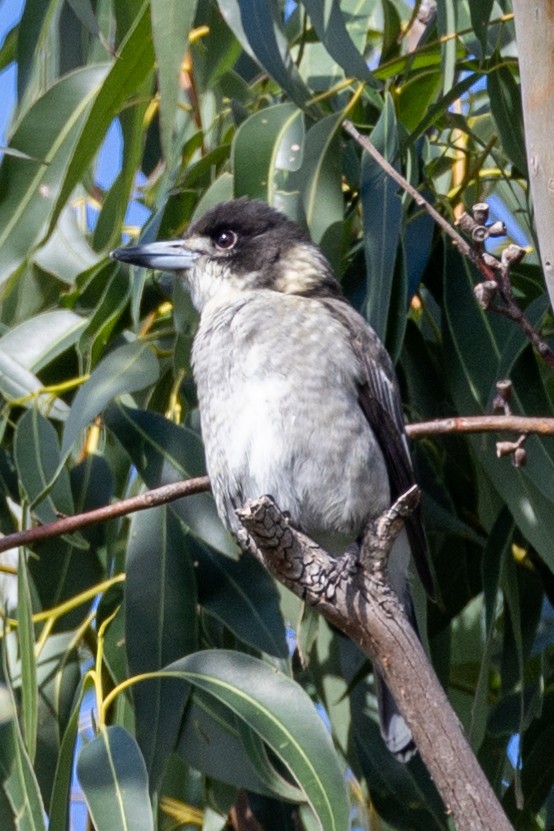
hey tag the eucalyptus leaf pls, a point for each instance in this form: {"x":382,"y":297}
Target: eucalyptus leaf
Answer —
{"x":113,"y":778}
{"x":40,"y":339}
{"x":48,"y":132}
{"x":127,"y":369}
{"x":160,"y":624}
{"x":282,"y":714}
{"x":171,"y":22}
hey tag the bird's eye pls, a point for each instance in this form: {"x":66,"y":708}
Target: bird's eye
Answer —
{"x":225,"y":239}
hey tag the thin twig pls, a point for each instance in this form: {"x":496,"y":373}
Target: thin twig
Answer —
{"x":420,"y":200}
{"x":497,"y":271}
{"x":69,"y":524}
{"x":481,"y":424}
{"x":188,"y":487}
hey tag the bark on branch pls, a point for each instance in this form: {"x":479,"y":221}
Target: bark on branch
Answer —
{"x":352,"y":593}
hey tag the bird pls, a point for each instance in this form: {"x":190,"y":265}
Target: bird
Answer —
{"x":298,"y":397}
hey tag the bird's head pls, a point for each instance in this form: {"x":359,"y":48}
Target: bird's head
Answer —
{"x":239,"y":246}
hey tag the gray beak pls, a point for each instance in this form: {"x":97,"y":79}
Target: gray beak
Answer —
{"x":164,"y":256}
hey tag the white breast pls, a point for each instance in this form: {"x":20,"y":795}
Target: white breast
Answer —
{"x":277,"y":386}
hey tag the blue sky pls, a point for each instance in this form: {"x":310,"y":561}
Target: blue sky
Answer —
{"x":10,"y":12}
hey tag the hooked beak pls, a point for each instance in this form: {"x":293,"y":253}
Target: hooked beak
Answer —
{"x":165,"y":256}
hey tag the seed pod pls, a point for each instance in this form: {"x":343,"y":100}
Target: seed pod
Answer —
{"x":497,"y":229}
{"x":480,"y":212}
{"x":519,"y":457}
{"x":485,"y":293}
{"x":512,"y":255}
{"x":480,"y":233}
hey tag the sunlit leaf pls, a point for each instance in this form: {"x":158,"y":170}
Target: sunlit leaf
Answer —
{"x":49,"y":131}
{"x":171,"y":22}
{"x":329,"y":22}
{"x":278,"y":133}
{"x":37,"y":341}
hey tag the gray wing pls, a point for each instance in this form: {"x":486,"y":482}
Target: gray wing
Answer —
{"x":379,"y":399}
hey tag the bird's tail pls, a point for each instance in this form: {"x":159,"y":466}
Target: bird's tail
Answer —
{"x":394,"y":730}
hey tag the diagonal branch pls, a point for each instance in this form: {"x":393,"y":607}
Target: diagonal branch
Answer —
{"x":352,"y":592}
{"x":70,"y":524}
{"x":494,"y":271}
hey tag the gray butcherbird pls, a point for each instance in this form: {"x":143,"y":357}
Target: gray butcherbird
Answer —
{"x":298,"y":397}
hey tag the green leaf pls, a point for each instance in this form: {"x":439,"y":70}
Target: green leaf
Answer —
{"x":58,"y":680}
{"x":18,"y":780}
{"x":505,"y":98}
{"x":480,"y":11}
{"x":60,"y":801}
{"x":107,"y":232}
{"x":66,"y":254}
{"x":171,"y":22}
{"x":108,"y":310}
{"x":242,"y":595}
{"x":267,"y":42}
{"x":278,"y":134}
{"x":164,"y":452}
{"x":447,"y":24}
{"x":497,"y":553}
{"x":39,"y":339}
{"x":329,"y":23}
{"x":26,"y":642}
{"x":127,"y":369}
{"x":211,"y":735}
{"x":7,"y":48}
{"x":416,"y":96}
{"x":37,"y":458}
{"x":160,"y":625}
{"x":381,"y":227}
{"x":18,"y":384}
{"x":113,"y":777}
{"x":221,"y":190}
{"x":320,"y":177}
{"x":135,"y":59}
{"x":472,"y":355}
{"x":284,"y":717}
{"x":48,"y":132}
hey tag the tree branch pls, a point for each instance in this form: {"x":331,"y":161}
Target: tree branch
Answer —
{"x":69,"y":524}
{"x":352,"y":593}
{"x":188,"y":487}
{"x":481,"y":424}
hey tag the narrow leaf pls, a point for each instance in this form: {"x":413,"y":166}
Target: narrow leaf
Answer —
{"x":39,"y":339}
{"x":381,"y":227}
{"x":505,"y":98}
{"x":49,"y":132}
{"x":283,"y":715}
{"x":171,"y":22}
{"x":160,"y":624}
{"x":37,"y":458}
{"x":113,"y":777}
{"x":134,"y":61}
{"x":131,"y":367}
{"x":26,"y":643}
{"x":329,"y":24}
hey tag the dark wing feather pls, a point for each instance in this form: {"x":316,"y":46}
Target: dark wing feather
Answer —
{"x":380,"y":402}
